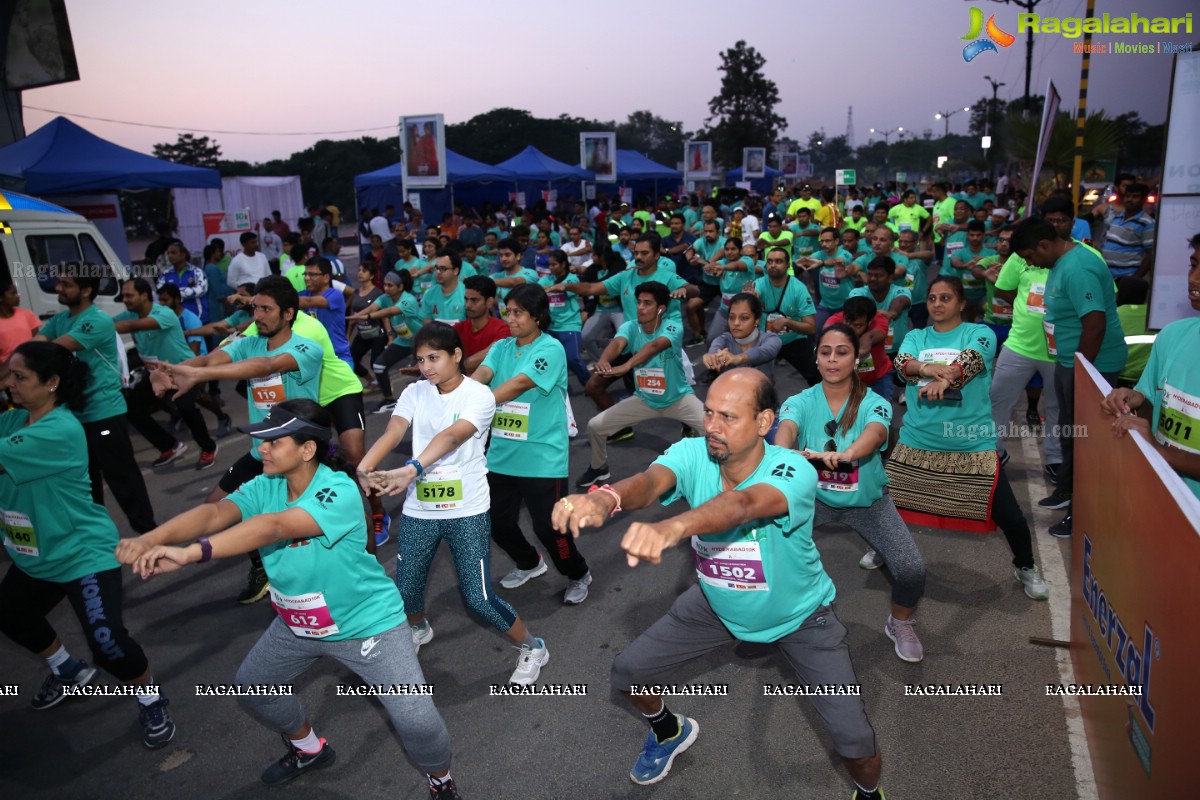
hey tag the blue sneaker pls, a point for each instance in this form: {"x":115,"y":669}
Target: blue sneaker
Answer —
{"x":655,"y":761}
{"x":382,"y":526}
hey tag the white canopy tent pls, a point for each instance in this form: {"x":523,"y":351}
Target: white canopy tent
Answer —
{"x":261,"y":195}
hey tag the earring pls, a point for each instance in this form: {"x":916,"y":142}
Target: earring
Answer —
{"x":53,"y":388}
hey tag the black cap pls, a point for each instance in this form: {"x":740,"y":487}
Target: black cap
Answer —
{"x":279,"y":423}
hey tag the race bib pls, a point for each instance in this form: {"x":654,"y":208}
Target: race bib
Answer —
{"x":18,"y":534}
{"x":1051,"y":347}
{"x":936,"y":355}
{"x":1036,"y":302}
{"x":307,"y":615}
{"x":266,"y":392}
{"x":954,"y":247}
{"x":1178,"y":420}
{"x":971,"y":282}
{"x":557,"y":299}
{"x":149,"y":361}
{"x":730,"y":565}
{"x":511,"y":421}
{"x":402,"y":332}
{"x":829,"y":279}
{"x":440,"y":488}
{"x":891,"y":337}
{"x":866,"y":364}
{"x":838,"y":481}
{"x":1001,"y":311}
{"x":651,"y":380}
{"x":449,"y":322}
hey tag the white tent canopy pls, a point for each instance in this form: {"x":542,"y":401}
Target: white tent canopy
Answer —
{"x":261,"y":195}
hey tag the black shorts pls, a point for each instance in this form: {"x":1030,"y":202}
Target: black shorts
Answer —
{"x":709,"y":291}
{"x":347,"y":413}
{"x":245,"y":469}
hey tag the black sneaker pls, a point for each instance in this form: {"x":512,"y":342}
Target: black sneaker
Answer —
{"x":291,"y":765}
{"x":621,"y":435}
{"x":256,"y":586}
{"x":1032,"y":418}
{"x":1062,"y":528}
{"x":158,"y":727}
{"x":1052,"y":471}
{"x":386,"y":406}
{"x":53,"y":689}
{"x":592,"y":477}
{"x":1059,"y":499}
{"x":444,"y":791}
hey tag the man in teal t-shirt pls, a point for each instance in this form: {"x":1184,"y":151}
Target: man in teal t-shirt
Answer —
{"x":890,"y":298}
{"x":789,"y":311}
{"x":661,"y":388}
{"x":446,"y":302}
{"x":760,"y":577}
{"x":89,"y":333}
{"x":964,"y":252}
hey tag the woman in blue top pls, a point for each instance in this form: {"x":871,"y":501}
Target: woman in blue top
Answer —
{"x":842,"y":428}
{"x":945,"y":470}
{"x":304,"y":516}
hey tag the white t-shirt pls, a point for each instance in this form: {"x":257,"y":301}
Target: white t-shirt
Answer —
{"x":247,"y":269}
{"x":576,"y":261}
{"x":749,"y":228}
{"x":380,"y":227}
{"x":456,"y":485}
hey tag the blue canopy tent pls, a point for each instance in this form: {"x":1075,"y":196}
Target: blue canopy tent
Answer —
{"x":469,"y":183}
{"x":644,"y":176}
{"x":62,"y":158}
{"x":761,"y":185}
{"x":536,"y":171}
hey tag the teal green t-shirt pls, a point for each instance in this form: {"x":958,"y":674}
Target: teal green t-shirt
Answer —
{"x":809,"y":412}
{"x":804,"y":240}
{"x":624,"y":285}
{"x":263,"y":393}
{"x":405,"y":324}
{"x":239,"y":318}
{"x":956,"y":247}
{"x":337,"y":377}
{"x":327,"y":587}
{"x":709,"y":252}
{"x":95,"y":331}
{"x":529,"y":432}
{"x":1078,"y":284}
{"x":529,"y":275}
{"x":436,"y":305}
{"x":52,"y":529}
{"x":661,"y":381}
{"x":995,"y":309}
{"x":792,"y":301}
{"x":164,"y":343}
{"x":914,"y":278}
{"x":732,"y":280}
{"x":564,"y":306}
{"x":834,"y":291}
{"x":764,"y":578}
{"x":897,"y":328}
{"x":1171,"y":382}
{"x":953,"y":426}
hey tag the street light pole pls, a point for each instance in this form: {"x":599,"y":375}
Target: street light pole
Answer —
{"x":946,"y":115}
{"x":886,"y":143}
{"x":987,"y":123}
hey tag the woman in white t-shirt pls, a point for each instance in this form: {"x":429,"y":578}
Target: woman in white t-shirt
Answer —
{"x":446,"y":491}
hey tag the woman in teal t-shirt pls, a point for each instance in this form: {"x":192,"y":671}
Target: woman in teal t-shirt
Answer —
{"x":840,"y":423}
{"x":945,"y":470}
{"x":332,"y":598}
{"x":403,"y":312}
{"x":565,"y":323}
{"x":61,"y":543}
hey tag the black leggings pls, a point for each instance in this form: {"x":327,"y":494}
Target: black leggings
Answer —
{"x":1007,"y":514}
{"x":392,"y":355}
{"x":110,"y":456}
{"x":141,"y":404}
{"x":96,"y":600}
{"x":799,"y":353}
{"x":539,"y":496}
{"x":360,"y":347}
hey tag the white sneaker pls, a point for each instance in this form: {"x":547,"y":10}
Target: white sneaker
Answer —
{"x":1035,"y":587}
{"x":421,"y":634}
{"x":530,"y":663}
{"x":871,"y":560}
{"x":519,"y":577}
{"x":577,"y":591}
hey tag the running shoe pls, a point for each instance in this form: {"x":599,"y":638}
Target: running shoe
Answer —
{"x":1062,"y":528}
{"x":1031,"y":579}
{"x":167,"y":456}
{"x":859,"y":794}
{"x":519,"y":577}
{"x":207,"y":459}
{"x":593,"y":476}
{"x":908,"y":646}
{"x":421,"y":634}
{"x":383,"y":526}
{"x":530,"y":663}
{"x":53,"y":689}
{"x":444,"y":791}
{"x":157,"y":726}
{"x":1051,"y":471}
{"x":655,"y":761}
{"x":871,"y":560}
{"x":386,"y":406}
{"x":291,"y":765}
{"x":256,"y":586}
{"x":577,"y":591}
{"x":1059,"y":499}
{"x":622,"y":435}
{"x":224,"y":424}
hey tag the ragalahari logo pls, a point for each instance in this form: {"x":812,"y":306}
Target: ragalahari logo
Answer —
{"x":996,"y":36}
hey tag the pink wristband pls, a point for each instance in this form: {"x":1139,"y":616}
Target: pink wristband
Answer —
{"x":610,"y":490}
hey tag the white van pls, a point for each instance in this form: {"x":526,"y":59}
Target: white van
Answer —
{"x":37,"y":238}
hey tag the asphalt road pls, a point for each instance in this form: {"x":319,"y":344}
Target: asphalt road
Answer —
{"x":975,"y":623}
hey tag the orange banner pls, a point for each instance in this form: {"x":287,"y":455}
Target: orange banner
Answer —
{"x":1135,"y":578}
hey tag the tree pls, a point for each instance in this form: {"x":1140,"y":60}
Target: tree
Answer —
{"x":1101,"y":140}
{"x":187,"y":149}
{"x":745,"y":108}
{"x":656,"y":138}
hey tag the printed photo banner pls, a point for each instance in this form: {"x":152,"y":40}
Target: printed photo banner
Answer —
{"x":423,"y":152}
{"x":697,"y":161}
{"x":598,"y":152}
{"x":754,"y":162}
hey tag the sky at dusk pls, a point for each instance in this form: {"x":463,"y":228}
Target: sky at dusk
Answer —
{"x":315,"y":66}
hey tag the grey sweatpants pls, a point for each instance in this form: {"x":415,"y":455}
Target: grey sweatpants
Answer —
{"x":632,"y":410}
{"x":880,"y":525}
{"x":1009,"y":377}
{"x":279,"y":657}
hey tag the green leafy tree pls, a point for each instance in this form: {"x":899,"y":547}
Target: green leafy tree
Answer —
{"x":656,"y":138}
{"x":188,"y":149}
{"x":744,"y":111}
{"x":1101,"y":141}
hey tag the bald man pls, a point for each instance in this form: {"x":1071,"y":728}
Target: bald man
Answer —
{"x":760,"y":578}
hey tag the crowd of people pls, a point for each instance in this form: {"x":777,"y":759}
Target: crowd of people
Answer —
{"x":917,"y":319}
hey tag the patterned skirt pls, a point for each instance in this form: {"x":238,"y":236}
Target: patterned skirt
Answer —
{"x":944,"y":490}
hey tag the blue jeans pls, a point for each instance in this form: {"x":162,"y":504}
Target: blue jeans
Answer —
{"x":570,"y":342}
